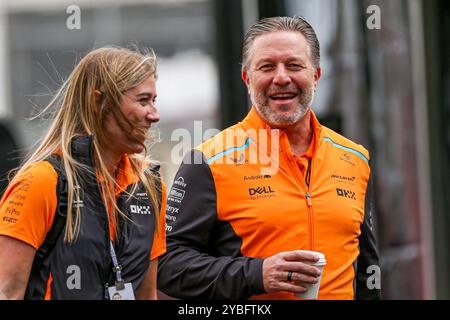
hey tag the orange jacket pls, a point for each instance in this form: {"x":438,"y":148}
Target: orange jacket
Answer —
{"x":239,"y":202}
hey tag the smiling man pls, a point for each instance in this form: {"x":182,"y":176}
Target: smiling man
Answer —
{"x":236,"y":232}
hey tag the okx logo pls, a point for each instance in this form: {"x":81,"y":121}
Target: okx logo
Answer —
{"x":140,"y":209}
{"x":260,"y":190}
{"x":345,"y":193}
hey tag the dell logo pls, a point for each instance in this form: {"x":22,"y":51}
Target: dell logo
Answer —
{"x":260,"y":190}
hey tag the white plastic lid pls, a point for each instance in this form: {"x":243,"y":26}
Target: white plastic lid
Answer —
{"x":322,"y":260}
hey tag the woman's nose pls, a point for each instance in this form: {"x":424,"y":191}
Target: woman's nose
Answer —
{"x":153,"y":115}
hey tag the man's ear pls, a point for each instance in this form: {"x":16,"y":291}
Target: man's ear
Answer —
{"x":246,"y":79}
{"x":317,"y":75}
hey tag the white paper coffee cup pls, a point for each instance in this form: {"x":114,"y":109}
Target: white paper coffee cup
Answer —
{"x":312,"y":290}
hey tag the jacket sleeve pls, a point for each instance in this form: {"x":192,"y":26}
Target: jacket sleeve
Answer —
{"x":190,"y":269}
{"x":368,"y":281}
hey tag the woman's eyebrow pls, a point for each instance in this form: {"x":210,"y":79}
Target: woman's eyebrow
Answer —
{"x":143,"y":94}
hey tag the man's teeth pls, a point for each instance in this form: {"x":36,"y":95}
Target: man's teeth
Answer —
{"x":283,"y":96}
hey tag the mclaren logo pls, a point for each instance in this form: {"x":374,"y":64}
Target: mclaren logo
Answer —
{"x":343,"y":179}
{"x":142,"y":195}
{"x":339,"y":177}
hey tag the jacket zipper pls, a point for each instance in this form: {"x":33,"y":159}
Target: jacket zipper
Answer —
{"x":309,"y":203}
{"x":107,"y":262}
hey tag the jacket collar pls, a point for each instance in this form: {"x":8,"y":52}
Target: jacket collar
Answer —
{"x":82,"y":150}
{"x":254,"y":121}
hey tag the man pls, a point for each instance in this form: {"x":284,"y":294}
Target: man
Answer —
{"x":248,"y":206}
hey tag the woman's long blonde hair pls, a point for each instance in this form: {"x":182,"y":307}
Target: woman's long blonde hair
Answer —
{"x":110,"y":72}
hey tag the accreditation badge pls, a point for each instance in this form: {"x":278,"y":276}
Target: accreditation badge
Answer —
{"x":121,"y":294}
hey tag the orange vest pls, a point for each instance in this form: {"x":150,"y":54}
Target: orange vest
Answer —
{"x":264,"y":199}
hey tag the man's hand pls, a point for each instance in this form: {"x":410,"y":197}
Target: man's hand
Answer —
{"x":277,"y":268}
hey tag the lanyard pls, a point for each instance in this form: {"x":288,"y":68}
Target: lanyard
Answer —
{"x":117,"y":268}
{"x":122,"y":290}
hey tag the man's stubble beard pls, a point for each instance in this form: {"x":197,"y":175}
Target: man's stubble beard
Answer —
{"x":275,"y":119}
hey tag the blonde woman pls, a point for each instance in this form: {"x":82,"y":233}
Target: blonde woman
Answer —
{"x":82,"y":218}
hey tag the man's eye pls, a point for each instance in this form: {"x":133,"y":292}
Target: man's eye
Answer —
{"x":266,"y":67}
{"x":294,"y":66}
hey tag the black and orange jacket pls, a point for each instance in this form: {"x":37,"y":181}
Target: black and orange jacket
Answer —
{"x":235,"y":202}
{"x":27,"y":213}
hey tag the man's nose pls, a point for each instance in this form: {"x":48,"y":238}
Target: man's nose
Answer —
{"x":281,"y":76}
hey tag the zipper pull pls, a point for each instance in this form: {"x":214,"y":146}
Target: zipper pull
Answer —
{"x":308,"y":199}
{"x":106,"y":292}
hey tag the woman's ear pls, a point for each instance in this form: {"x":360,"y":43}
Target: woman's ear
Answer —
{"x":97,"y":99}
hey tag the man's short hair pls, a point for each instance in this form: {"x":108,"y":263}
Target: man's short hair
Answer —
{"x":272,"y":24}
